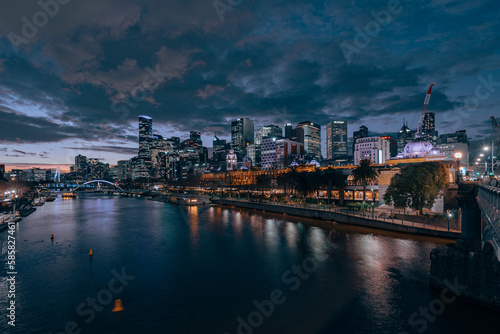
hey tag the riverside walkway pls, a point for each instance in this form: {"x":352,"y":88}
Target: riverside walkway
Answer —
{"x":374,"y":219}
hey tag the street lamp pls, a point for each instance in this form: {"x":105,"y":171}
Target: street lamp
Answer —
{"x":458,"y":156}
{"x":449,"y":216}
{"x":486,"y":148}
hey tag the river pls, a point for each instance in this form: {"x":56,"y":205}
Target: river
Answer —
{"x":219,"y":270}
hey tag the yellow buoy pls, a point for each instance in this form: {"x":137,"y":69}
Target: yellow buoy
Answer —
{"x":118,"y":306}
{"x":91,"y":253}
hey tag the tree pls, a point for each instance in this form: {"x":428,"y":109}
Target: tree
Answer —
{"x":417,"y":186}
{"x":284,"y":181}
{"x":329,"y":175}
{"x":302,"y":184}
{"x":294,"y":178}
{"x":315,"y":180}
{"x":340,"y":182}
{"x":264,"y":181}
{"x":365,"y":173}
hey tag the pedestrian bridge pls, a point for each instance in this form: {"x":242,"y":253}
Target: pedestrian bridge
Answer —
{"x":98,"y":184}
{"x":489,"y":201}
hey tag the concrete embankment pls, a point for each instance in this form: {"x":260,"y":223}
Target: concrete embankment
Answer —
{"x":477,"y":273}
{"x":343,"y":218}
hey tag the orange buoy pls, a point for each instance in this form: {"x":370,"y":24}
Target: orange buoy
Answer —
{"x":52,"y":236}
{"x":91,"y":253}
{"x":118,"y":306}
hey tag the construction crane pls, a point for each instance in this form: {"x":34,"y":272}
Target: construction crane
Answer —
{"x":424,"y":110}
{"x":496,"y":134}
{"x":496,"y":128}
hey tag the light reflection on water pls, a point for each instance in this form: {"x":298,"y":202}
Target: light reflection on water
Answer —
{"x":199,"y":268}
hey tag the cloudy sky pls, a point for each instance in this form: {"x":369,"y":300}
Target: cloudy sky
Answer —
{"x":75,"y":75}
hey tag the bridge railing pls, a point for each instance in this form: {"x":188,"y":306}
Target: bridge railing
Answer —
{"x":489,"y":202}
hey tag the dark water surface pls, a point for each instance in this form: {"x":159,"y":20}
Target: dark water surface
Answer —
{"x":197,"y":270}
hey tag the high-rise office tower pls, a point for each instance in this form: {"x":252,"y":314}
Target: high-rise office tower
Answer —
{"x":145,"y":134}
{"x":336,"y":139}
{"x":405,"y":135}
{"x":288,"y":130}
{"x":195,"y":135}
{"x":219,"y":144}
{"x":241,"y":134}
{"x":429,"y":132}
{"x":312,"y":138}
{"x":81,"y":165}
{"x":361,"y":133}
{"x":268,"y":131}
{"x":194,"y":140}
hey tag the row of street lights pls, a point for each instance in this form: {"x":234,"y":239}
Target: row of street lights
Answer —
{"x":10,"y":193}
{"x":492,"y":156}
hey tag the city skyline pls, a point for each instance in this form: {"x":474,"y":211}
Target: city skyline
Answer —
{"x":63,"y":90}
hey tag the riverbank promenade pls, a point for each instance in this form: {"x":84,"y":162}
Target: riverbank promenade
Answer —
{"x":377,"y":219}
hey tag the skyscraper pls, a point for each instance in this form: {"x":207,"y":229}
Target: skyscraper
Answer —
{"x":81,"y":166}
{"x":218,"y":144}
{"x":241,"y":134}
{"x":145,"y":134}
{"x":312,"y":138}
{"x":361,"y":133}
{"x":429,"y":132}
{"x":268,"y":131}
{"x":336,"y":139}
{"x":405,"y":135}
{"x":288,"y":130}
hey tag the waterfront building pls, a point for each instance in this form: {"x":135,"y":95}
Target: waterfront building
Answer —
{"x":311,"y":139}
{"x":336,"y":139}
{"x":15,"y":175}
{"x":376,"y":149}
{"x":37,"y":175}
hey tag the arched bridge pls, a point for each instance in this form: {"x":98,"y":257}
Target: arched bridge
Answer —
{"x":98,"y":184}
{"x":489,"y":202}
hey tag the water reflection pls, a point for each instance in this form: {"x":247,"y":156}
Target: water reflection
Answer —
{"x":192,"y":212}
{"x":198,"y":272}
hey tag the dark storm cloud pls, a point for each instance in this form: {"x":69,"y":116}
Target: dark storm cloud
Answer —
{"x":274,"y":62}
{"x":24,"y":153}
{"x":114,"y":149}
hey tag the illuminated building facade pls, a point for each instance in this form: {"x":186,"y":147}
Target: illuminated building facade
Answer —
{"x":336,"y":139}
{"x":312,"y":139}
